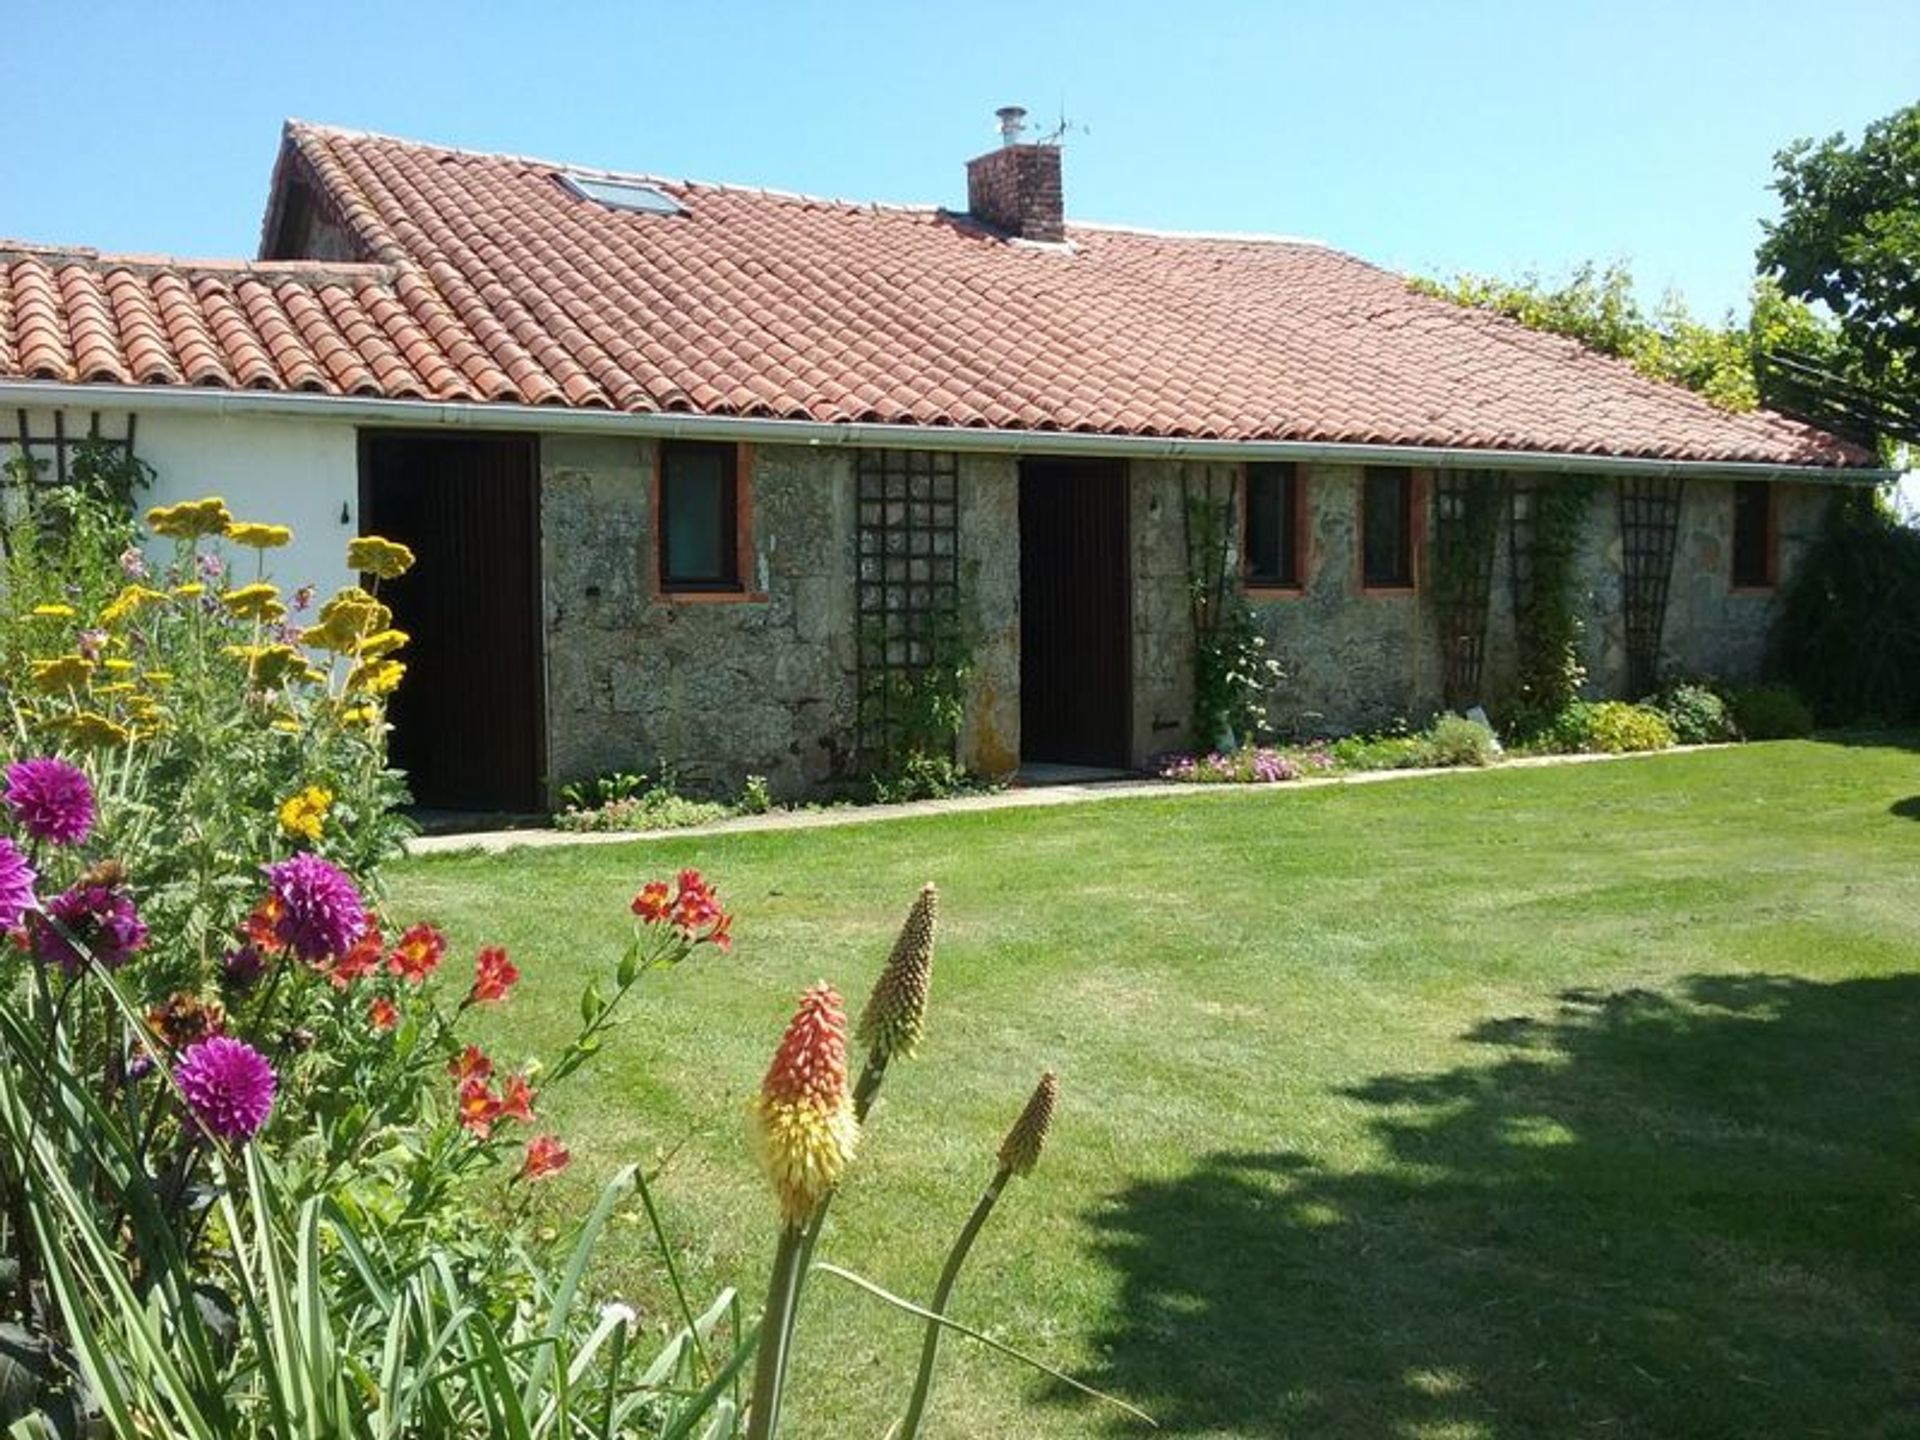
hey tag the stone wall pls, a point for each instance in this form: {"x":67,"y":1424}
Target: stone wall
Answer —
{"x":1356,"y":661}
{"x":763,"y":684}
{"x":766,"y":685}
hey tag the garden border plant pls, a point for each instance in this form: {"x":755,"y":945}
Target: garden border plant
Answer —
{"x":254,"y":1179}
{"x":1547,"y":628}
{"x":1233,"y":675}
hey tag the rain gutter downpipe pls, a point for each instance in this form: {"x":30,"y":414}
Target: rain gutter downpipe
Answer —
{"x":431,"y":414}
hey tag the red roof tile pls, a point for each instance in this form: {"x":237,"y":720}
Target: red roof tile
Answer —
{"x":484,"y":278}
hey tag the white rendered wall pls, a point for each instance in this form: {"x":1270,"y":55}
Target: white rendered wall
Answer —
{"x":303,"y":473}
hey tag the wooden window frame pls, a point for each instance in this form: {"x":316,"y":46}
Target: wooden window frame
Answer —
{"x":1257,"y":587}
{"x":1415,"y":544}
{"x":1735,"y":585}
{"x":739,"y":588}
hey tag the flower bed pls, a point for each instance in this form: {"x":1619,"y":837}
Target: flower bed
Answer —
{"x":257,"y":1178}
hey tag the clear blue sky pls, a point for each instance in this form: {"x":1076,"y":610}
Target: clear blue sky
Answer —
{"x":1432,"y":137}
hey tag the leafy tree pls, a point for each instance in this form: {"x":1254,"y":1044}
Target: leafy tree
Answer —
{"x":1598,"y":307}
{"x":1849,"y":237}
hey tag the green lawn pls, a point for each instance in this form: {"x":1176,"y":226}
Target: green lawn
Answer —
{"x":1541,"y":1102}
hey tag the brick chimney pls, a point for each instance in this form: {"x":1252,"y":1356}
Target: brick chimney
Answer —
{"x":1016,"y":188}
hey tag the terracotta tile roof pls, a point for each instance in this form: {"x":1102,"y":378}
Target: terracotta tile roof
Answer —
{"x":483,"y":277}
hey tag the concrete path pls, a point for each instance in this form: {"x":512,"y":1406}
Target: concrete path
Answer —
{"x":828,"y":817}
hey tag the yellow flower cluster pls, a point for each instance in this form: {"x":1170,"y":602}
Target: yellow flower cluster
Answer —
{"x":256,"y":536}
{"x":259,"y":601}
{"x":129,"y":601}
{"x":62,"y":673}
{"x":272,"y":666}
{"x":304,"y":815}
{"x":191,"y":519}
{"x":346,"y":619}
{"x":90,"y":729}
{"x":381,"y":558}
{"x":376,"y":677}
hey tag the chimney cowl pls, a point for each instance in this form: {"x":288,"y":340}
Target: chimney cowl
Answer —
{"x":1016,"y":188}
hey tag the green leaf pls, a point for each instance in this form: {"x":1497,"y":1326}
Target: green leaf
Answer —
{"x":912,"y":1309}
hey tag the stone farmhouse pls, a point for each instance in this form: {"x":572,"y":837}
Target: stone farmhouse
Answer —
{"x":700,"y":474}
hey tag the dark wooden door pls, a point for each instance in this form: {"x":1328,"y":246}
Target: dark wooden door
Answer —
{"x":468,"y":719}
{"x":1076,"y":692}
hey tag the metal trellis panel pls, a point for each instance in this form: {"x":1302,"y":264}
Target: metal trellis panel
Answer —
{"x":907,"y":586}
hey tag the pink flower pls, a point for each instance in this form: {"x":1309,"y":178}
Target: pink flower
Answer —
{"x":228,"y":1085}
{"x":16,"y":884}
{"x":321,"y":913}
{"x":51,"y":799}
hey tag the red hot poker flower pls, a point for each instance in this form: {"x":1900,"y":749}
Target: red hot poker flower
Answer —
{"x":545,"y":1156}
{"x":803,"y":1125}
{"x":418,"y":954}
{"x":493,"y":976}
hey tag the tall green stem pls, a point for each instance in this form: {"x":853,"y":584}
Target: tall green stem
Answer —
{"x":770,"y":1370}
{"x":930,"y":1348}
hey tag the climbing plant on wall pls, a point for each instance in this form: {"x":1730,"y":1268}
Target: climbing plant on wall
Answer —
{"x":1546,"y":518}
{"x":1467,"y":509}
{"x":914,"y":642}
{"x":1233,"y":675}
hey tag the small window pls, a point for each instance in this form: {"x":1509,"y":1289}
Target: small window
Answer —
{"x":699,"y":517}
{"x":1272,"y":548}
{"x":1753,"y":547}
{"x":623,"y":194}
{"x":1386,"y":525}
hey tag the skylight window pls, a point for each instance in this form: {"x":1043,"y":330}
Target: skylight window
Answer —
{"x":622,"y":194}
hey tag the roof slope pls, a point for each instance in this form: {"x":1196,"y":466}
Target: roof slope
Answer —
{"x":483,"y":277}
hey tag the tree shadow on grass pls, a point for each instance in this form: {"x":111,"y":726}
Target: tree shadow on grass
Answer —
{"x":1690,"y":1213}
{"x":1907,"y":809}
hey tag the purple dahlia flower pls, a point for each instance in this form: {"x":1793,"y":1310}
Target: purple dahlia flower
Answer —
{"x":242,"y":966}
{"x":228,"y":1086}
{"x":101,"y":921}
{"x":51,"y":799}
{"x":321,"y":913}
{"x":16,"y":884}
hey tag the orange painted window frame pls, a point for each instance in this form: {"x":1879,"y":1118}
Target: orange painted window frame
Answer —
{"x":744,"y":554}
{"x":1302,"y":551}
{"x":1416,"y":517}
{"x":1734,"y":587}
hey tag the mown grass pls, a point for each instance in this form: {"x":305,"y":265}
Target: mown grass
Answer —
{"x":1525,"y":1103}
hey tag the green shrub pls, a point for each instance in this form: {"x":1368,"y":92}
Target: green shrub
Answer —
{"x":1616,"y":728}
{"x":604,"y":789}
{"x":1566,"y":731}
{"x":1697,"y":715}
{"x":1456,"y":740}
{"x":660,"y":807}
{"x":1848,"y":633}
{"x":756,"y":797}
{"x":1771,"y":712}
{"x":1379,"y":752}
{"x":919,"y":775}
